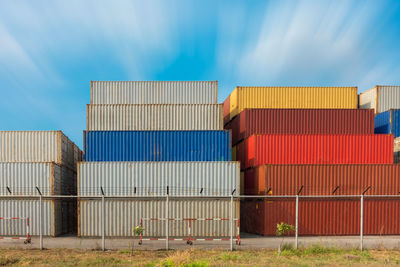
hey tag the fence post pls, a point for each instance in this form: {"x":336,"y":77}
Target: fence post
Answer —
{"x":40,"y":219}
{"x":103,"y":221}
{"x":167,"y":220}
{"x":297,"y":222}
{"x":361,"y":221}
{"x":362,"y":217}
{"x":231,"y":222}
{"x":297,"y":217}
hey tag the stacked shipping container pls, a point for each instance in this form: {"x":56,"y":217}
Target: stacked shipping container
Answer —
{"x":146,"y":136}
{"x":385,"y":100}
{"x":319,"y":128}
{"x":388,"y":122}
{"x":46,"y":160}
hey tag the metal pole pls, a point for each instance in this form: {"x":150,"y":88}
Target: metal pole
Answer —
{"x":297,"y":221}
{"x":103,"y":222}
{"x":41,"y":221}
{"x":231,"y":222}
{"x":361,"y":222}
{"x":167,"y":221}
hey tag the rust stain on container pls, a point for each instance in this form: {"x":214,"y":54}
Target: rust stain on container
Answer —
{"x":300,"y":121}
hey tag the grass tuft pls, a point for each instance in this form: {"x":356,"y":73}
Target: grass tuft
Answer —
{"x":4,"y":261}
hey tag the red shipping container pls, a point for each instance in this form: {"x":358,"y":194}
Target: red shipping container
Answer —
{"x":300,"y":121}
{"x":315,"y":149}
{"x":346,"y":179}
{"x":323,"y":216}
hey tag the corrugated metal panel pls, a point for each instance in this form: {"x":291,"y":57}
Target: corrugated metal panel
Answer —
{"x":122,"y":216}
{"x":381,"y":98}
{"x":153,"y":92}
{"x":323,"y":179}
{"x":388,"y":98}
{"x":38,"y":146}
{"x":292,"y":97}
{"x":368,"y":99}
{"x":382,"y":216}
{"x":388,"y":122}
{"x":396,"y":149}
{"x":157,"y":146}
{"x":396,"y":143}
{"x":226,"y":111}
{"x":152,"y":178}
{"x":323,"y":216}
{"x":301,"y":121}
{"x":154,"y":117}
{"x":22,"y":179}
{"x":315,"y":149}
{"x":52,"y":224}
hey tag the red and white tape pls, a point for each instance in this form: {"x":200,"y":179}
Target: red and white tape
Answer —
{"x":27,"y":238}
{"x":188,"y":219}
{"x":190,"y":239}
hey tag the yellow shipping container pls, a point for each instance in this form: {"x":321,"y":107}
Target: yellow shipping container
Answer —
{"x":292,"y":97}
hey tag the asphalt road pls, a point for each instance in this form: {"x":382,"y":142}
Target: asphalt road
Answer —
{"x":248,"y":241}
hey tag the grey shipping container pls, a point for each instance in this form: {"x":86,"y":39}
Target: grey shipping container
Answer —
{"x":152,"y":178}
{"x":51,"y":179}
{"x":154,"y":117}
{"x":153,"y":92}
{"x":38,"y":146}
{"x":381,"y":98}
{"x":23,"y":178}
{"x":121,"y":216}
{"x":52,"y":216}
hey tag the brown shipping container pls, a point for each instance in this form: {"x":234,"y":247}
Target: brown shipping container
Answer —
{"x":226,"y":111}
{"x":300,"y":121}
{"x":322,"y":216}
{"x":347,"y":179}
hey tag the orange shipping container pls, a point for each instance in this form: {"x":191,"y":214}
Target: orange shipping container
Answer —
{"x":346,"y":179}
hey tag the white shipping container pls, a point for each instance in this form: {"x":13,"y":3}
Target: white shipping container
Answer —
{"x":154,"y":117}
{"x":38,"y":146}
{"x":121,"y":216}
{"x":153,"y":92}
{"x":396,"y":144}
{"x":152,"y":178}
{"x":381,"y":98}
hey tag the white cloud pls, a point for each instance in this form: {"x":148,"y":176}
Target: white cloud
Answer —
{"x":308,"y":43}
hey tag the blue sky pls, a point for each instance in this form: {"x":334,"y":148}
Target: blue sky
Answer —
{"x":50,"y":50}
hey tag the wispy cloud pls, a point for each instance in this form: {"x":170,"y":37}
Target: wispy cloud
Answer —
{"x":50,"y":50}
{"x":312,"y":43}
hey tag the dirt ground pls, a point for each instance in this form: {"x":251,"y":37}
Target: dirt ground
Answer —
{"x":312,"y":256}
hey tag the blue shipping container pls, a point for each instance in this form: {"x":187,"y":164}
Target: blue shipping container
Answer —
{"x":388,"y":122}
{"x":157,"y":146}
